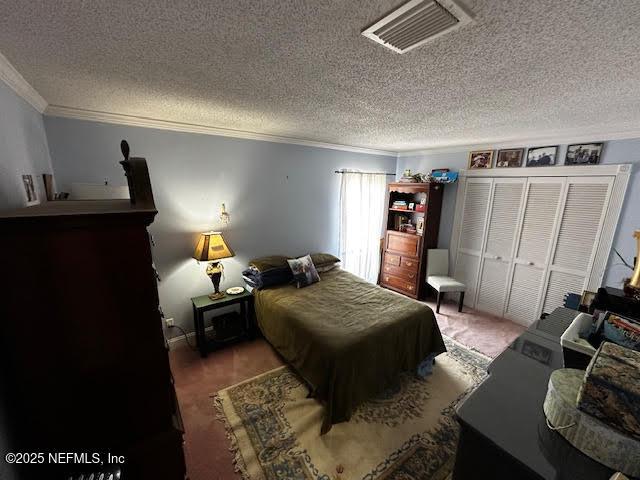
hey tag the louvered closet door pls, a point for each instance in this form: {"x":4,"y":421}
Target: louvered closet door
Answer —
{"x":583,"y":214}
{"x":506,"y":204}
{"x":474,"y":221}
{"x":535,"y":240}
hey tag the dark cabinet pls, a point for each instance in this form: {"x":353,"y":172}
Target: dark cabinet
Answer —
{"x":84,"y":361}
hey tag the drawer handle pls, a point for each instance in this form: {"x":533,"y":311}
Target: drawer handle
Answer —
{"x":530,"y":263}
{"x":409,"y":264}
{"x":412,"y":275}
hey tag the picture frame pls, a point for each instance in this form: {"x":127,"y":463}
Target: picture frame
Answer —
{"x":542,"y":156}
{"x":480,"y":159}
{"x":420,"y":225}
{"x":509,"y":158}
{"x":30,"y":191}
{"x":584,"y":153}
{"x":586,"y":300}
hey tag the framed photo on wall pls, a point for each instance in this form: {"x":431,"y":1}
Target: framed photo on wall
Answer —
{"x":511,"y":157}
{"x":480,"y":159}
{"x":583,"y":154}
{"x":30,"y":190}
{"x":542,"y":156}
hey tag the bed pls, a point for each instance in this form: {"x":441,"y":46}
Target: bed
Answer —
{"x":347,"y":338}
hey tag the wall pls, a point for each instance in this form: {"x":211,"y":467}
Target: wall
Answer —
{"x":614,"y":152}
{"x":283,"y":199}
{"x":23,"y":148}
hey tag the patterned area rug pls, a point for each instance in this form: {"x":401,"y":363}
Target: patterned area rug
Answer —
{"x":408,"y":433}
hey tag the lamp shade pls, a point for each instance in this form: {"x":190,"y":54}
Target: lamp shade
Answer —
{"x":211,"y":246}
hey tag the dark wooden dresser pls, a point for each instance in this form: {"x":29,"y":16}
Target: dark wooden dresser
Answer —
{"x":404,"y":259}
{"x":504,"y":434}
{"x":84,"y":361}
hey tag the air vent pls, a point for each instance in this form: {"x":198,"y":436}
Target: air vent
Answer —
{"x":416,"y":22}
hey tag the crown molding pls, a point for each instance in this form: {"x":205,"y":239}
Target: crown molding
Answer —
{"x":552,"y":171}
{"x":568,"y":137}
{"x":17,"y":83}
{"x":145,"y":122}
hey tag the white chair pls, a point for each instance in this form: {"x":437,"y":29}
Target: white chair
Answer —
{"x":438,"y":276}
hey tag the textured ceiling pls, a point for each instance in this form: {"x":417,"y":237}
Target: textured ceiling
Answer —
{"x":302,"y":69}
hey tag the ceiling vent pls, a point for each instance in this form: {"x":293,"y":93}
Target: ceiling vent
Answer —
{"x":416,"y":22}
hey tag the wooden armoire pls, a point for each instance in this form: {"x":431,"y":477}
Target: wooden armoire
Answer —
{"x":404,"y":258}
{"x":84,"y":365}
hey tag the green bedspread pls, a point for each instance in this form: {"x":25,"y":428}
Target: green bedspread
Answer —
{"x":347,"y":338}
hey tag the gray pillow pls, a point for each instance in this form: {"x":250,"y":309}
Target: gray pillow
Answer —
{"x":304,"y":271}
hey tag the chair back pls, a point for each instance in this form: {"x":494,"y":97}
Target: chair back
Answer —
{"x":438,"y":262}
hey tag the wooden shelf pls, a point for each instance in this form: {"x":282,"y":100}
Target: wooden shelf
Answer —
{"x":404,"y":233}
{"x":404,"y":211}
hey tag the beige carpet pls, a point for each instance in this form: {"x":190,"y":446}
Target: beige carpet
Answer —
{"x":408,"y":433}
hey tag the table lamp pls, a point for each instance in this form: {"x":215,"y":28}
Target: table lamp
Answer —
{"x":212,"y":248}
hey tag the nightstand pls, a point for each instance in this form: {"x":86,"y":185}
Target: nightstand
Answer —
{"x":228,"y":327}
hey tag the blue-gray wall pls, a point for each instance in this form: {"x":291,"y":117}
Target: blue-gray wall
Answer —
{"x":283,"y":199}
{"x":615,"y":152}
{"x":23,"y":148}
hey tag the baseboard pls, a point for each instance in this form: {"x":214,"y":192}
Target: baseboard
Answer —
{"x":180,"y":338}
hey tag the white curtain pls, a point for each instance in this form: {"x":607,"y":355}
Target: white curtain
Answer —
{"x":362,"y":206}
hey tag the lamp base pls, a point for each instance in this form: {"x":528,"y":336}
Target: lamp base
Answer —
{"x":631,"y":290}
{"x":214,"y":271}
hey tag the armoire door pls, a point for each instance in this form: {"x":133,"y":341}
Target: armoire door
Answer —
{"x":474,"y":220}
{"x":506,"y":204}
{"x":535,"y":239}
{"x":583,"y":212}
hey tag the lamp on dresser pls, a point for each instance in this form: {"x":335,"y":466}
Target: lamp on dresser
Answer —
{"x":212,"y":248}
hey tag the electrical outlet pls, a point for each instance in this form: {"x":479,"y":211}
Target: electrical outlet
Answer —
{"x":169,"y":322}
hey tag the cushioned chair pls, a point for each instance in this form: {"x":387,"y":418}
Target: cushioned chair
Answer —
{"x":438,"y":276}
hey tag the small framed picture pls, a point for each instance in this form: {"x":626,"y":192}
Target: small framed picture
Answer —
{"x":412,"y":205}
{"x":480,"y":159}
{"x":30,"y":190}
{"x":420,"y":225}
{"x":510,"y":158}
{"x":586,"y":300}
{"x":542,"y":156}
{"x":583,"y":154}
